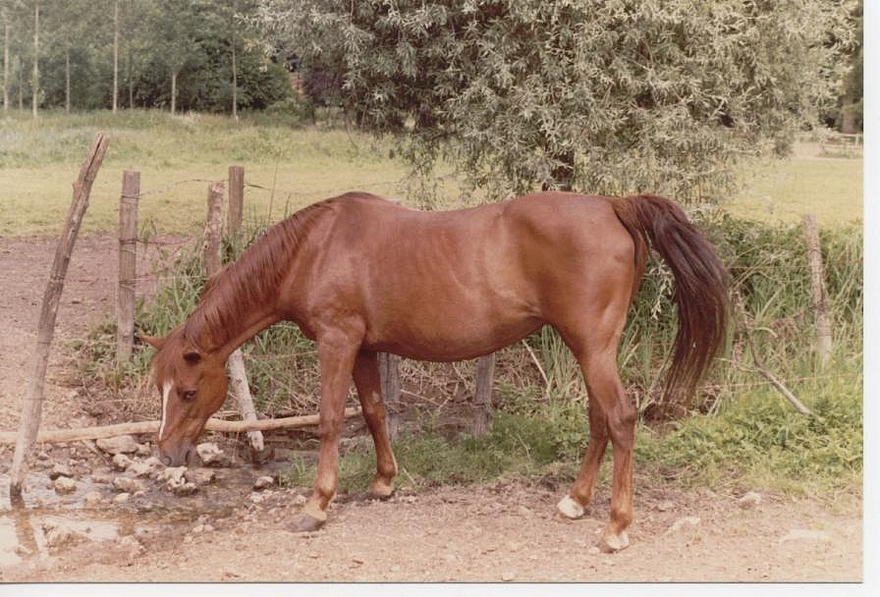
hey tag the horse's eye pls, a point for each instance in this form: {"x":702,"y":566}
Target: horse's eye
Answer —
{"x":188,"y":395}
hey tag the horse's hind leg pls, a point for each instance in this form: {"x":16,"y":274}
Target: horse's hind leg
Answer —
{"x":574,"y":504}
{"x":366,"y":380}
{"x":612,"y":416}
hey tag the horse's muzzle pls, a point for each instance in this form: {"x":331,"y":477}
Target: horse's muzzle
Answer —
{"x":180,"y":454}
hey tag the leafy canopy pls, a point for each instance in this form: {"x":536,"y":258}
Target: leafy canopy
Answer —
{"x":611,"y":96}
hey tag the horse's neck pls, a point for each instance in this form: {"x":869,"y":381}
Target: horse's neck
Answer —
{"x":228,"y":317}
{"x":242,"y":300}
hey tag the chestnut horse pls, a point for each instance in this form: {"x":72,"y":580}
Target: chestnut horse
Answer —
{"x":360,"y":275}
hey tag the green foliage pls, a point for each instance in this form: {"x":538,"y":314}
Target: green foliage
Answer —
{"x":191,"y":39}
{"x":760,"y":440}
{"x":613,"y":97}
{"x":515,"y":445}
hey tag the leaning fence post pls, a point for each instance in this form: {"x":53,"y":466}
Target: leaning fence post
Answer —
{"x":125,"y":298}
{"x":818,"y":291}
{"x":235,"y":215}
{"x":483,"y":398}
{"x":389,"y":376}
{"x":238,"y":382}
{"x":32,"y":405}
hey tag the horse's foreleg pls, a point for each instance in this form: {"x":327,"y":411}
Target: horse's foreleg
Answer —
{"x":366,"y":380}
{"x":336,"y":355}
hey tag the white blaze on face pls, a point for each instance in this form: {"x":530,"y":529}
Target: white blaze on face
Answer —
{"x":166,"y":394}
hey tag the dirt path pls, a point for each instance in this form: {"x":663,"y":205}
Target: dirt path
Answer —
{"x":502,"y":532}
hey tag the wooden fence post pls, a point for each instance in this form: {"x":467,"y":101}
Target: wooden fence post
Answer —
{"x":389,"y":376}
{"x":211,"y":254}
{"x":238,"y":382}
{"x":32,"y":405}
{"x":817,"y":287}
{"x":125,"y":298}
{"x":235,"y":215}
{"x":483,"y":398}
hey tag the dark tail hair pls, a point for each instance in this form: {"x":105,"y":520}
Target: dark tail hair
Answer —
{"x":701,"y":284}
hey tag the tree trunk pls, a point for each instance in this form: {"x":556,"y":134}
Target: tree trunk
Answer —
{"x":128,"y":69}
{"x":173,"y":92}
{"x":115,"y":53}
{"x":483,"y":399}
{"x":234,"y":73}
{"x":35,"y":81}
{"x":5,"y":64}
{"x":389,"y":377}
{"x":67,"y":79}
{"x":235,"y":213}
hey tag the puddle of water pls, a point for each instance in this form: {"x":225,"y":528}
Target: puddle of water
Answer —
{"x":24,"y":534}
{"x":21,"y":529}
{"x":8,"y":542}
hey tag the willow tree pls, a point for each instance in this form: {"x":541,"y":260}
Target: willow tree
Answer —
{"x":608,"y":96}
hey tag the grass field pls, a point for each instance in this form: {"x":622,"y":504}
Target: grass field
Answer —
{"x":783,"y":190}
{"x":288,"y":168}
{"x":177,"y":157}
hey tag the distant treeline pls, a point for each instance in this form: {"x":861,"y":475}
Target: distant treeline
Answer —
{"x":169,"y":54}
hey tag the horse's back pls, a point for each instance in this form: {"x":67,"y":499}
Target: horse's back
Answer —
{"x":427,"y":284}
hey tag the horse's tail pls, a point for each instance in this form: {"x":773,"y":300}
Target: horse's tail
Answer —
{"x":701,"y":283}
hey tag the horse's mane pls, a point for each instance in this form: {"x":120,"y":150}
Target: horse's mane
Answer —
{"x":251,"y":280}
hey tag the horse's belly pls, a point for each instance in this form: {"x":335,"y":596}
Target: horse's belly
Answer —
{"x":451,"y":336}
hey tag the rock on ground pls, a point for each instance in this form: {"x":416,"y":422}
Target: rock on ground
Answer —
{"x":59,"y":536}
{"x":128,"y":485}
{"x":121,"y":444}
{"x":749,"y":500}
{"x":263,"y":482}
{"x":200,"y":476}
{"x":212,"y":455}
{"x":92,"y":498}
{"x":687,"y":522}
{"x":60,"y":470}
{"x":64,"y":485}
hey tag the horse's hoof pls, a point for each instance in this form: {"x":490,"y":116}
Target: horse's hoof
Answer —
{"x":570,"y":508}
{"x":611,"y":543}
{"x":381,"y":490}
{"x":306,"y":523}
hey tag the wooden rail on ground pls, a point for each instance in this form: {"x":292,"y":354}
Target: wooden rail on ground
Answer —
{"x":84,"y":433}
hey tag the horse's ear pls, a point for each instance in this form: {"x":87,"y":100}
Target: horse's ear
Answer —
{"x":154,"y":341}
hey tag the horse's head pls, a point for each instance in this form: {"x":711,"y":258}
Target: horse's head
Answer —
{"x":192,"y":385}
